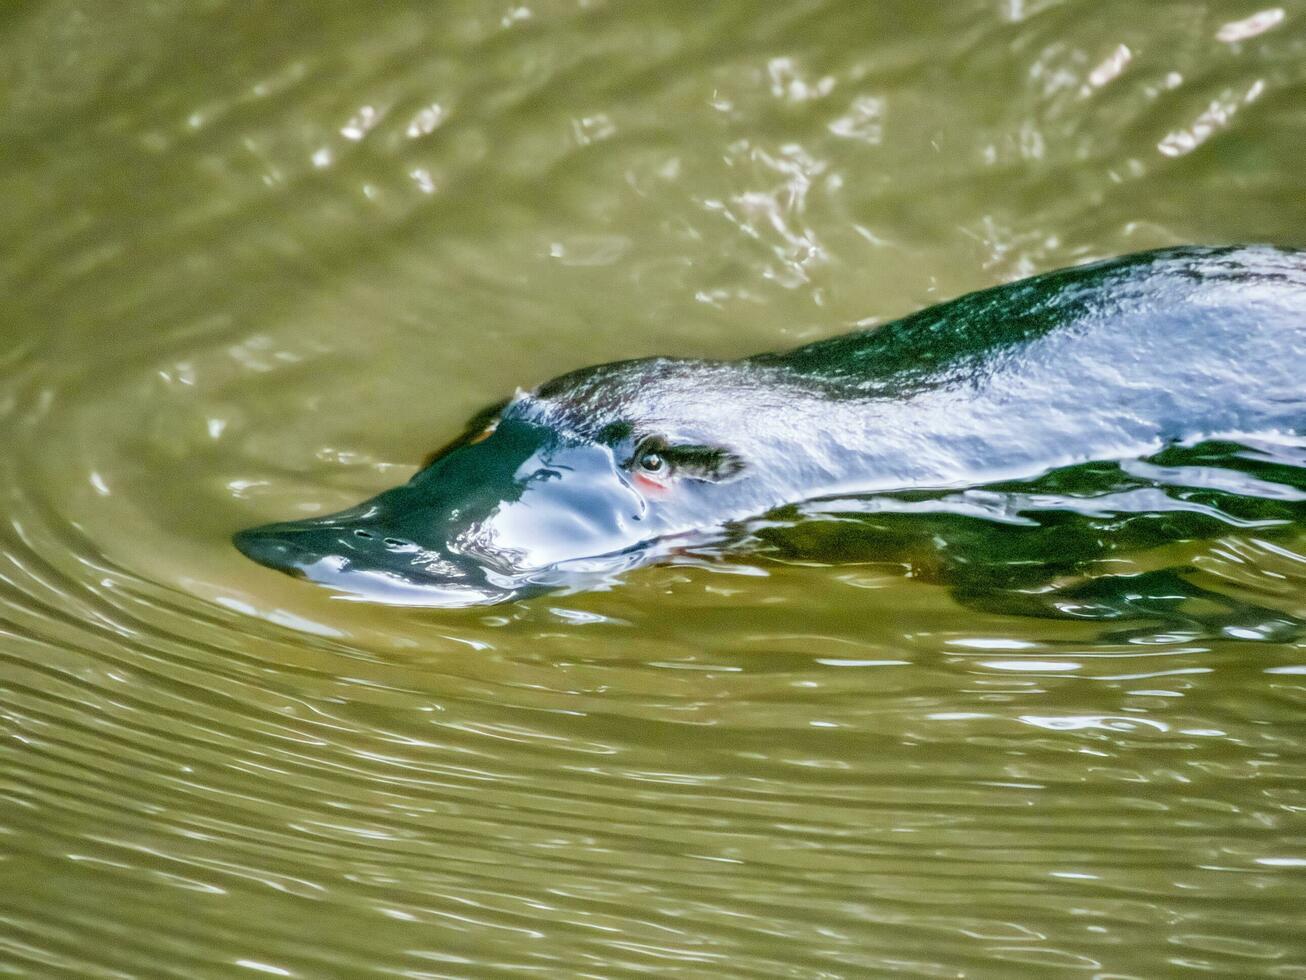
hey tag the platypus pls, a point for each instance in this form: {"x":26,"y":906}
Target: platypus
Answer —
{"x":610,"y":466}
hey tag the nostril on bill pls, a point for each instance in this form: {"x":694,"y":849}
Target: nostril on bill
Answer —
{"x":391,"y":543}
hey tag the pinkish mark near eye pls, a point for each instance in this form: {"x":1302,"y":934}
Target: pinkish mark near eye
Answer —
{"x":650,"y":485}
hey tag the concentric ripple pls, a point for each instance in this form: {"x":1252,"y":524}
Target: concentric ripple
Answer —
{"x":260,"y":260}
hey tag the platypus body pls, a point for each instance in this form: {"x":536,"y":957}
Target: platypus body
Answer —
{"x":603,"y":468}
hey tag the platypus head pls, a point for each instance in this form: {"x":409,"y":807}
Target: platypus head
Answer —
{"x":589,"y":474}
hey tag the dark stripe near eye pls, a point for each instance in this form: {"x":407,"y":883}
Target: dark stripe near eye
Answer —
{"x":702,"y":462}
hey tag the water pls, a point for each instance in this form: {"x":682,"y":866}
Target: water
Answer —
{"x":260,"y":260}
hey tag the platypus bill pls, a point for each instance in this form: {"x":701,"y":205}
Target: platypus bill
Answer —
{"x":610,"y":466}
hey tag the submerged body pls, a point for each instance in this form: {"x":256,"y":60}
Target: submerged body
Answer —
{"x":596,"y":470}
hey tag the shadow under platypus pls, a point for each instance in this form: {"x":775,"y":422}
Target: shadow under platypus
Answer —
{"x":1049,"y":547}
{"x":958,"y":423}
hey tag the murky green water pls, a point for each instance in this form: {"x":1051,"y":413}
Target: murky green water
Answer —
{"x":258,"y":259}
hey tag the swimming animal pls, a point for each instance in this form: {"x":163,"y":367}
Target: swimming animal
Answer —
{"x":610,"y":466}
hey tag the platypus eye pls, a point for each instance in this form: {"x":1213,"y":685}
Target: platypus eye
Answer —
{"x":653,"y":457}
{"x":652,"y":462}
{"x":712,"y":464}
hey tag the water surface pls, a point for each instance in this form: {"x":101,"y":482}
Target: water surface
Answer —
{"x":260,"y":259}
